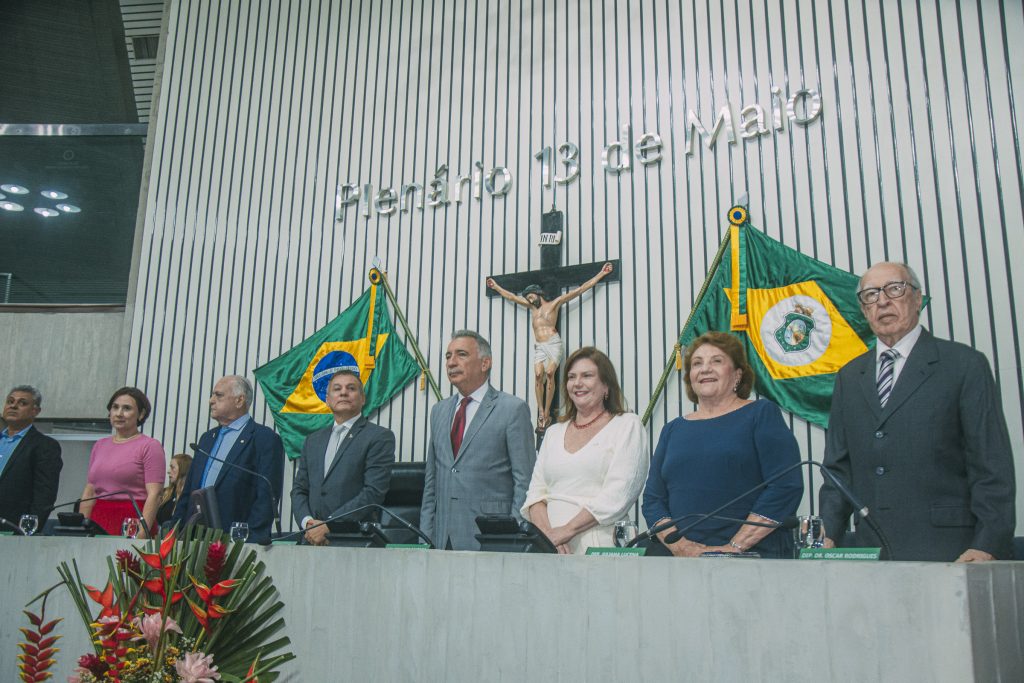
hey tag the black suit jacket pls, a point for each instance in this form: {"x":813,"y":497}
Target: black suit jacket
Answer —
{"x":242,"y":497}
{"x":934,"y":466}
{"x":359,"y":473}
{"x":29,"y":482}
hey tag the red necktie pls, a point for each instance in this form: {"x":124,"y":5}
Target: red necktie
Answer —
{"x":459,"y":426}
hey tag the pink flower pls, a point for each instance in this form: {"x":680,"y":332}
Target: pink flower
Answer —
{"x":149,"y":626}
{"x":75,"y":678}
{"x":196,"y":667}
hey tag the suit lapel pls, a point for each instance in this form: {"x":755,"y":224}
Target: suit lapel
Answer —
{"x":350,"y":436}
{"x":446,"y":414}
{"x":241,"y":444}
{"x":919,"y":366}
{"x":486,"y":406}
{"x":868,"y":383}
{"x":23,"y":446}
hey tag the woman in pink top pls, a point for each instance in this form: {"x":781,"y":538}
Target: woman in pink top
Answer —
{"x":128,"y":461}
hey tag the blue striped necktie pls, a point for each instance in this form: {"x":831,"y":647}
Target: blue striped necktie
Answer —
{"x":885,"y":375}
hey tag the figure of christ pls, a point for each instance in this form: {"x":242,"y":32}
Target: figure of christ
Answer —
{"x":548,"y":349}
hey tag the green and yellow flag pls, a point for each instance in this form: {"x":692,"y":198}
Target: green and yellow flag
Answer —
{"x":362,"y":338}
{"x":799,"y":318}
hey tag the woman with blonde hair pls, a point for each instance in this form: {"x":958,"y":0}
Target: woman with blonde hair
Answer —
{"x":177,"y":474}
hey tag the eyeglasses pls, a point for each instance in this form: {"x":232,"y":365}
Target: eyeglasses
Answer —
{"x":893,"y":290}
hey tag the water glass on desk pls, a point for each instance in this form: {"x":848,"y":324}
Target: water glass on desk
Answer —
{"x":28,"y":524}
{"x":809,"y":533}
{"x":130,"y":527}
{"x":624,"y":532}
{"x":239,"y":532}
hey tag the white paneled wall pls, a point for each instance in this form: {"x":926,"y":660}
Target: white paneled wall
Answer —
{"x":265,"y":107}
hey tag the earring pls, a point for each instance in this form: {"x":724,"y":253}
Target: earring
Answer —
{"x":737,"y":386}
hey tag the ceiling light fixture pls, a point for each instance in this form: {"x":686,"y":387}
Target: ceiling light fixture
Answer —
{"x":14,"y":189}
{"x":53,"y":194}
{"x":69,"y":208}
{"x":11,"y":206}
{"x":43,"y":211}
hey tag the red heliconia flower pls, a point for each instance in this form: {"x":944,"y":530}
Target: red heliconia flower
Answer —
{"x":37,"y":653}
{"x":158,"y":560}
{"x":106,"y":599}
{"x":128,"y":562}
{"x":215,"y":556}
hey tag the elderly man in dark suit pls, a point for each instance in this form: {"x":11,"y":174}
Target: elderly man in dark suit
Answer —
{"x":345,"y":466}
{"x":481,"y":453}
{"x":30,"y":461}
{"x":918,"y":429}
{"x":247,"y":467}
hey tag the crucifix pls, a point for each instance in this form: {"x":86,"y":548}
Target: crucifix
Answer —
{"x":541,"y":291}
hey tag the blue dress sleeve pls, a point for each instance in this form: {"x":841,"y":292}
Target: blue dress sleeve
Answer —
{"x":777,"y":449}
{"x":655,"y":504}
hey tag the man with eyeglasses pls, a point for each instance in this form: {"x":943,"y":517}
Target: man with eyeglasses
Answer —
{"x":917,"y":428}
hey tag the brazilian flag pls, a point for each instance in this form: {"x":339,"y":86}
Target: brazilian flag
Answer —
{"x":799,"y":318}
{"x":361,"y":338}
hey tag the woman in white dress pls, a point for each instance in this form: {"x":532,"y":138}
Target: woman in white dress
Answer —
{"x":593,"y":462}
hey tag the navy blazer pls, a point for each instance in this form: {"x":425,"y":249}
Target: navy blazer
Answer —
{"x":241,"y":497}
{"x":29,"y":482}
{"x":934,"y":466}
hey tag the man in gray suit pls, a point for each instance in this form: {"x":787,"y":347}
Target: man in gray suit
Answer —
{"x":344,"y":466}
{"x":481,"y":453}
{"x":917,"y":428}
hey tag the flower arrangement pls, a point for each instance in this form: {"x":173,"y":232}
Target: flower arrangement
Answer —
{"x":192,"y":610}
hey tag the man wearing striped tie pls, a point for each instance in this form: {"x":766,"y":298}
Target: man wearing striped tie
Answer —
{"x":917,"y":429}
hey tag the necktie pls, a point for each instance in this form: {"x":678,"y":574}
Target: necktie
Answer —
{"x":459,"y":425}
{"x":337,"y":434}
{"x":885,"y":375}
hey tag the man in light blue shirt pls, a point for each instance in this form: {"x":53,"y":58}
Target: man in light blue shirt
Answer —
{"x":30,"y":461}
{"x":246,"y":469}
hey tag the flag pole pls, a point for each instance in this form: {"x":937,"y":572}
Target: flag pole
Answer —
{"x":378,"y":277}
{"x":677,"y":349}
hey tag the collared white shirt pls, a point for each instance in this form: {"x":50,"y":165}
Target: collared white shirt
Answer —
{"x":903,"y":347}
{"x":474,"y":405}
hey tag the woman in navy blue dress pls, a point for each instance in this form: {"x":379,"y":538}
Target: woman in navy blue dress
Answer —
{"x":729,"y":445}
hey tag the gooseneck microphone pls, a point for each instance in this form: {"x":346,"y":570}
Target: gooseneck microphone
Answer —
{"x":12,"y":525}
{"x":371,"y":528}
{"x":273,"y":496}
{"x":108,"y":494}
{"x":860,"y":508}
{"x":787,"y":523}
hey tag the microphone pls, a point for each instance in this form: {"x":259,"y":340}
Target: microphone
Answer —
{"x":366,"y":527}
{"x":12,"y":525}
{"x":273,"y":497}
{"x":76,"y":502}
{"x":861,"y":509}
{"x":333,"y":518}
{"x":788,"y":523}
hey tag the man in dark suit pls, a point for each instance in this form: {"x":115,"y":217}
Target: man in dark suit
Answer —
{"x":30,"y":461}
{"x":344,"y":466}
{"x":917,"y":428}
{"x":248,"y":485}
{"x":481,"y":453}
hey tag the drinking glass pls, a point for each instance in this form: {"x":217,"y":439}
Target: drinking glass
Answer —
{"x":624,"y":532}
{"x":130,"y":527}
{"x":239,"y":532}
{"x":28,"y":524}
{"x":809,"y":532}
